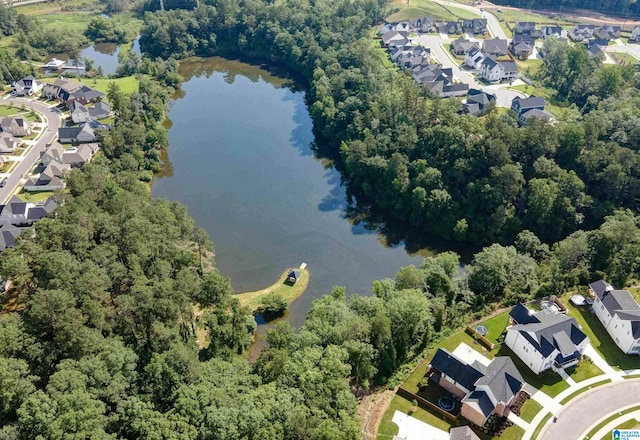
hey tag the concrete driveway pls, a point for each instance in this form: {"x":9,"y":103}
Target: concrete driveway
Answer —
{"x":52,"y":122}
{"x":578,"y":415}
{"x":414,"y":429}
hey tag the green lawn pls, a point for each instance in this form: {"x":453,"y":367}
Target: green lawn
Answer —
{"x":530,"y":409}
{"x":513,"y":433}
{"x":36,"y":197}
{"x":128,"y":84}
{"x":388,"y":429}
{"x":496,"y":326}
{"x":529,"y":68}
{"x":624,"y":58}
{"x":601,"y":340}
{"x":9,"y":110}
{"x":6,"y":166}
{"x":584,"y":370}
{"x":422,"y":8}
{"x":289,"y":292}
{"x":629,"y":424}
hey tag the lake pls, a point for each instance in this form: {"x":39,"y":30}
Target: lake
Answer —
{"x":240,"y":158}
{"x":105,"y":55}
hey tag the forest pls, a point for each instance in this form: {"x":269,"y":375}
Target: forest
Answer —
{"x":478,"y":180}
{"x":620,"y":7}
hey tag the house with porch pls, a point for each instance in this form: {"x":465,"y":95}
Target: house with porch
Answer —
{"x":484,"y":390}
{"x":15,"y":125}
{"x":544,"y":340}
{"x":424,"y":25}
{"x":498,"y":71}
{"x":619,"y":313}
{"x":527,"y":28}
{"x":451,"y":27}
{"x":462,"y":46}
{"x":26,"y":86}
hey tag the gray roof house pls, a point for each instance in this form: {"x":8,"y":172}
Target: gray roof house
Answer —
{"x":581,"y":32}
{"x":635,"y":34}
{"x":423,"y":24}
{"x":80,"y":134}
{"x":8,"y":234}
{"x":545,"y":340}
{"x":8,"y":143}
{"x":475,"y":26}
{"x":478,"y":103}
{"x":395,"y":38}
{"x":462,"y":433}
{"x":607,"y":32}
{"x":495,"y":47}
{"x":52,"y":153}
{"x":15,"y":125}
{"x":462,"y":46}
{"x":527,"y":28}
{"x":20,"y":213}
{"x":451,"y":27}
{"x":553,"y":32}
{"x":484,"y":389}
{"x":619,"y":313}
{"x":77,"y":157}
{"x":526,"y":117}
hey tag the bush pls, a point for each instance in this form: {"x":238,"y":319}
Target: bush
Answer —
{"x":272,"y":306}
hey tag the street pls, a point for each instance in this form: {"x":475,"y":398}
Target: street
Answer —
{"x":49,"y":134}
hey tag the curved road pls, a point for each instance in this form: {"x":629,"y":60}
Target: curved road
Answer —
{"x":52,"y":121}
{"x":575,"y":417}
{"x":492,"y":21}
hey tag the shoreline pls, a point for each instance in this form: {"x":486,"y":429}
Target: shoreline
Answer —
{"x":289,"y":293}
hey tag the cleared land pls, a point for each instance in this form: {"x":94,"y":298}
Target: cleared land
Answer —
{"x":289,"y":292}
{"x":425,"y":8}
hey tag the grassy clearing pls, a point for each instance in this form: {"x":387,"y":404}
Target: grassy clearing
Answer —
{"x":604,"y":422}
{"x":127,"y":84}
{"x":583,"y":390}
{"x":10,"y":110}
{"x":529,"y":67}
{"x":425,"y":8}
{"x":35,"y":197}
{"x":624,"y":58}
{"x":529,"y":410}
{"x":584,"y":370}
{"x":288,"y":292}
{"x":601,"y":340}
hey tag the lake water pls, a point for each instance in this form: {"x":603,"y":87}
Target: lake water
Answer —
{"x":240,"y":159}
{"x":106,"y":55}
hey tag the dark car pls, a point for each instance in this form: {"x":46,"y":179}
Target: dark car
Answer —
{"x":3,"y":183}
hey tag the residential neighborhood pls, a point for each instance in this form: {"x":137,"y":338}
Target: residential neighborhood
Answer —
{"x":41,"y":143}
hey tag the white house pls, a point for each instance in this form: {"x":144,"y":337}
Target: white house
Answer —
{"x":619,"y":312}
{"x":495,"y":71}
{"x":635,"y":34}
{"x":484,"y":389}
{"x":27,"y":86}
{"x":474,"y":58}
{"x":545,"y":340}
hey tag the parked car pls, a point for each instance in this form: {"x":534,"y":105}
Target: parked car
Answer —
{"x":500,"y":11}
{"x":3,"y":183}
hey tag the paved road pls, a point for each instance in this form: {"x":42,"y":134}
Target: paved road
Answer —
{"x":52,"y":121}
{"x":575,"y":418}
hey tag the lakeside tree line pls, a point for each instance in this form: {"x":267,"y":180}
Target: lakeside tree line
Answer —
{"x":479,"y":180}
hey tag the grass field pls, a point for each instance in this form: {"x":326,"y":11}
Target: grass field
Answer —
{"x":288,"y":292}
{"x":584,"y":370}
{"x":529,"y":67}
{"x":422,"y":8}
{"x":529,"y":410}
{"x":128,"y":84}
{"x":9,"y":110}
{"x":624,"y":58}
{"x":35,"y":197}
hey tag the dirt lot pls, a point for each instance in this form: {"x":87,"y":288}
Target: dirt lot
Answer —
{"x":371,"y":408}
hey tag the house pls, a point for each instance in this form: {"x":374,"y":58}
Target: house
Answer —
{"x":595,"y":50}
{"x":395,"y":38}
{"x":17,"y":212}
{"x":77,"y":157}
{"x":521,"y":105}
{"x":8,"y":234}
{"x":68,"y":91}
{"x":461,"y":46}
{"x":635,"y":34}
{"x":462,"y":433}
{"x":478,"y":103}
{"x":52,"y":153}
{"x":439,"y":81}
{"x":16,"y":126}
{"x":526,"y":117}
{"x":451,"y":27}
{"x":483,"y":389}
{"x":424,"y":25}
{"x":293,"y":276}
{"x":607,"y":33}
{"x":527,"y":28}
{"x":520,"y":50}
{"x":49,"y":179}
{"x":495,"y":47}
{"x":8,"y":143}
{"x":410,"y":57}
{"x":619,"y":313}
{"x":101,"y":110}
{"x":545,"y":340}
{"x":79,"y":113}
{"x":475,"y":26}
{"x":82,"y":133}
{"x":553,"y":32}
{"x":495,"y":71}
{"x":27,"y":86}
{"x":581,"y":32}
{"x":474,"y":58}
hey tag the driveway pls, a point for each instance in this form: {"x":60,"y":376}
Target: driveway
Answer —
{"x":52,"y":122}
{"x":414,"y":429}
{"x":575,"y":418}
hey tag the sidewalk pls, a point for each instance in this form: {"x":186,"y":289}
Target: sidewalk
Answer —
{"x":606,"y":429}
{"x":607,"y":369}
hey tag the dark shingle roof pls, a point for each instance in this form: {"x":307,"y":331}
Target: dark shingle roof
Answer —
{"x":503,"y":379}
{"x":521,"y":315}
{"x":457,"y":370}
{"x":483,"y":401}
{"x":531,"y":102}
{"x":552,"y":331}
{"x":462,"y":433}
